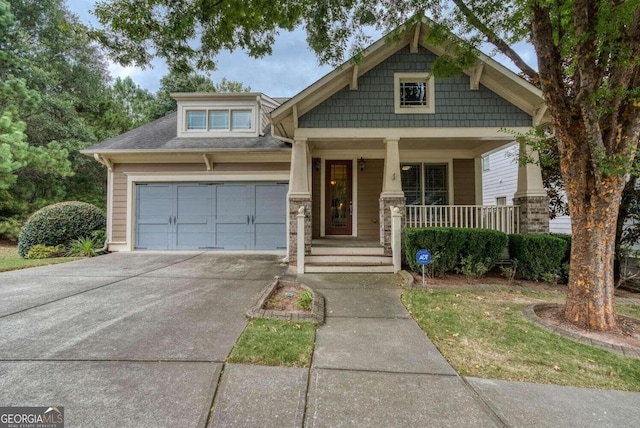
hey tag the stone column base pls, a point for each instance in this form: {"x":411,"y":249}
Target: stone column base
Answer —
{"x":294,"y":205}
{"x":386,"y":202}
{"x":534,"y":213}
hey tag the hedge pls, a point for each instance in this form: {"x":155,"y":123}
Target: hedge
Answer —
{"x":60,"y":223}
{"x":537,"y":254}
{"x":448,"y":246}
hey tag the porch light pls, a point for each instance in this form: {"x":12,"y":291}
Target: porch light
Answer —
{"x":317,"y":164}
{"x":361,"y":164}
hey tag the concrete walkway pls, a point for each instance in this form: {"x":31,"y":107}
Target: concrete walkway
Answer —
{"x":374,"y":367}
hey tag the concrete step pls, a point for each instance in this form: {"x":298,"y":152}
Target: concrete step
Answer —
{"x":346,"y":251}
{"x":337,"y":268}
{"x":348,"y":260}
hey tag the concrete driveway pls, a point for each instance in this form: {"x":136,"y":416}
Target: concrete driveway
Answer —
{"x":133,"y":339}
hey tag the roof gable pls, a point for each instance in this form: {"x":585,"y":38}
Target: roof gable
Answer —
{"x":487,"y":73}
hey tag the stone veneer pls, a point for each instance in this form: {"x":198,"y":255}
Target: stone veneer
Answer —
{"x":294,"y":206}
{"x":385,"y":220}
{"x":534,"y":213}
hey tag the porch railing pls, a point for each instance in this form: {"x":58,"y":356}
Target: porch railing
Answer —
{"x":504,"y":218}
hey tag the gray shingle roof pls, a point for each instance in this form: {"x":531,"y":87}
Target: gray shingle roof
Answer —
{"x":161,"y":135}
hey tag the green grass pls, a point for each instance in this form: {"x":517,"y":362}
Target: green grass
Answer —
{"x":629,"y":310}
{"x":10,"y":260}
{"x":485,"y":334}
{"x":275,"y":343}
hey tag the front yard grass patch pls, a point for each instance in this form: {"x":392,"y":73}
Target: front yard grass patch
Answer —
{"x":11,"y":260}
{"x":629,"y":310}
{"x":485,"y":334}
{"x":272,"y":342}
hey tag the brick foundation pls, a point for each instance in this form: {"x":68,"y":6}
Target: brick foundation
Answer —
{"x":294,"y":206}
{"x":385,"y":219}
{"x":534,"y":213}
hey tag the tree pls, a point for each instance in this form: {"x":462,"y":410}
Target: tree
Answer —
{"x":178,"y":81}
{"x":588,"y":54}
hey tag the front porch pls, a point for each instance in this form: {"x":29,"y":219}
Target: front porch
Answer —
{"x":341,"y":204}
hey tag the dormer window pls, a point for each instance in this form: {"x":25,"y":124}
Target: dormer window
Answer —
{"x":222,"y":115}
{"x":414,"y":93}
{"x":196,"y":120}
{"x":220,"y":120}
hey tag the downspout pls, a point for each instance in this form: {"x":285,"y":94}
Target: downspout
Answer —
{"x":106,"y":162}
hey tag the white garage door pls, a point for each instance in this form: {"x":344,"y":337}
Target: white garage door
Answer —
{"x":232,"y":216}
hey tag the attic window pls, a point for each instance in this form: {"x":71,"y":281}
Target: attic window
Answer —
{"x":196,"y":120}
{"x":414,"y":93}
{"x":220,"y":120}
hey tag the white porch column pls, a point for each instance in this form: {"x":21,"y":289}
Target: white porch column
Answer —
{"x":392,"y":194}
{"x":299,"y":197}
{"x":392,"y":185}
{"x":531,"y":195}
{"x":299,"y":174}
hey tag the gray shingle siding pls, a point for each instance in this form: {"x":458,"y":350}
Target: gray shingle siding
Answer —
{"x":371,"y":106}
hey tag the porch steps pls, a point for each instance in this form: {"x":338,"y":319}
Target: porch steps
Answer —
{"x":325,"y":259}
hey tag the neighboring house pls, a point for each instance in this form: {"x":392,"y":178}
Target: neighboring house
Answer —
{"x":234,"y":171}
{"x":500,"y":179}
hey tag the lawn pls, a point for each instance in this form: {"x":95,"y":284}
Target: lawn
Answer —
{"x":272,"y":342}
{"x":485,"y":334}
{"x":10,"y":260}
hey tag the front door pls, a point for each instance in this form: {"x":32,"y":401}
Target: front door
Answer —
{"x":339,"y":204}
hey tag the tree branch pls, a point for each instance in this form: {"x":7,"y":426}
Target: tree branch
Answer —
{"x":498,"y":42}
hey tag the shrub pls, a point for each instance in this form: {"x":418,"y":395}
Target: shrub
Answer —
{"x":59,"y":224}
{"x":82,"y":247}
{"x":10,"y":228}
{"x":477,"y":246}
{"x":564,"y":270}
{"x":305,"y":298}
{"x":538,"y":254}
{"x":40,"y":251}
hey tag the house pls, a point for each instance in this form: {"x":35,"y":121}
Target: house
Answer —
{"x":500,"y":179}
{"x":317,"y":177}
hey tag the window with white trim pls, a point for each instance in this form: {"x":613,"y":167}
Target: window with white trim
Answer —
{"x":501,"y":200}
{"x":197,"y":120}
{"x":414,"y":93}
{"x":425,"y":183}
{"x":486,"y":165}
{"x":220,"y":120}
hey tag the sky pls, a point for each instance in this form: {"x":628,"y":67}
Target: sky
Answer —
{"x":291,"y":67}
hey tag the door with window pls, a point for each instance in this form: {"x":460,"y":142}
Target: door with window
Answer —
{"x":339,"y":201}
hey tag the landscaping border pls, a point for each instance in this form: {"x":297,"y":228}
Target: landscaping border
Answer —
{"x":316,"y":315}
{"x":530,"y":314}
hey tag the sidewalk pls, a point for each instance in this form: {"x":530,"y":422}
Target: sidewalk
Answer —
{"x":374,"y":367}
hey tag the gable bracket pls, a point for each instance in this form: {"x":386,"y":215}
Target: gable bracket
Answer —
{"x":207,"y":162}
{"x":539,"y":114}
{"x":416,"y":38}
{"x":353,"y":86}
{"x":294,"y":112}
{"x":476,"y":74}
{"x":104,"y":161}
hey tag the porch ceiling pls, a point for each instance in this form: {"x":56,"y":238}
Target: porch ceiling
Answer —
{"x":473,"y":147}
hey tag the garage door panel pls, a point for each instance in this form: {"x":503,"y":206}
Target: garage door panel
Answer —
{"x":232,"y":216}
{"x":154,"y":236}
{"x":232,"y":236}
{"x":270,"y":204}
{"x":270,"y":236}
{"x":154,"y":204}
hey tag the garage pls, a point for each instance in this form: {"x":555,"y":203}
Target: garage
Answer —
{"x":225,"y":216}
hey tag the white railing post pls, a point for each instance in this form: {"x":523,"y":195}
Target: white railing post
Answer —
{"x":396,"y":239}
{"x":300,"y":240}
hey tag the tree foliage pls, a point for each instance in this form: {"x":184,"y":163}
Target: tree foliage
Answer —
{"x":57,"y":98}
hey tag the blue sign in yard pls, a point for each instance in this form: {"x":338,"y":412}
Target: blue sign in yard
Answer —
{"x":423,"y":257}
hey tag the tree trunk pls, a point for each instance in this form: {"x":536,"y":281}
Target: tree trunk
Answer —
{"x":590,"y":297}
